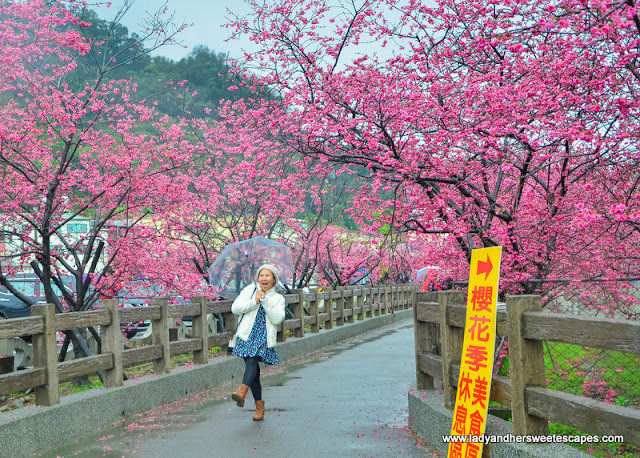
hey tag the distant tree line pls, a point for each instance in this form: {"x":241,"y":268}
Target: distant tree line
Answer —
{"x":204,"y":75}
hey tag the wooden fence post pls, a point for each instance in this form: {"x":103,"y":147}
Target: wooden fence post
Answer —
{"x":386,"y":308}
{"x":360,"y":300}
{"x":526,"y":365}
{"x":370,"y":301}
{"x":199,"y":330}
{"x":366,"y":301}
{"x":352,"y":301}
{"x":160,"y":335}
{"x":45,"y":355}
{"x":379,"y":292}
{"x":395,"y":298}
{"x":384,"y":300}
{"x":340,"y":306}
{"x":406,"y":296}
{"x":231,"y":324}
{"x":298,"y":313}
{"x":112,"y":343}
{"x":313,"y":311}
{"x":393,"y":302}
{"x":328,"y":307}
{"x":452,"y":339}
{"x":422,"y":345}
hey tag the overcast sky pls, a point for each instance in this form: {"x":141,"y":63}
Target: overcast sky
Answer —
{"x":207,"y":17}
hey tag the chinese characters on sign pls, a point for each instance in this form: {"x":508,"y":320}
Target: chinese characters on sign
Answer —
{"x":472,"y":399}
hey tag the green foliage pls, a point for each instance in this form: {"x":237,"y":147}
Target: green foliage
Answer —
{"x":572,"y":368}
{"x":616,"y":449}
{"x":117,"y":54}
{"x":622,"y":401}
{"x":504,"y":369}
{"x":71,"y":388}
{"x":608,"y":367}
{"x":182,"y":359}
{"x":113,"y":49}
{"x":207,"y":77}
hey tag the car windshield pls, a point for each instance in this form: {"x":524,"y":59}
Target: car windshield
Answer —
{"x":33,"y":289}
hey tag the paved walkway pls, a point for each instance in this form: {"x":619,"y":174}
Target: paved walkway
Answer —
{"x":350,"y":401}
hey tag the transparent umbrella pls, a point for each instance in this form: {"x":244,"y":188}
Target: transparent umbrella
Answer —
{"x":422,"y":273}
{"x":236,"y":266}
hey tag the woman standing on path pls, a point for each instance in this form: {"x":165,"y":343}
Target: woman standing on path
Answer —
{"x":261,"y":310}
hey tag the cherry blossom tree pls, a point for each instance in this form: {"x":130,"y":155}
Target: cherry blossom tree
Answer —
{"x":242,"y":186}
{"x":250,"y":185}
{"x":69,"y":153}
{"x":511,"y":123}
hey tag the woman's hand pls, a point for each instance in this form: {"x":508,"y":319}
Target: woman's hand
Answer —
{"x":259,"y":295}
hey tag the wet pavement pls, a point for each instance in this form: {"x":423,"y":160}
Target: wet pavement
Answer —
{"x":350,"y":401}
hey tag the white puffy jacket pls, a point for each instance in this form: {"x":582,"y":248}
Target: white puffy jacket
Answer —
{"x":245,"y":304}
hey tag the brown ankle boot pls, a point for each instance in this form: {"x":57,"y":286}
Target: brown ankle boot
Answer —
{"x":240,"y":394}
{"x":259,"y":416}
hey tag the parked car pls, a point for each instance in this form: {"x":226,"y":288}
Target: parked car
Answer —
{"x":31,"y":286}
{"x":11,"y":306}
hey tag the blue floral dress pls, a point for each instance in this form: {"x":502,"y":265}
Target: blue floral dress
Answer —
{"x":257,"y":343}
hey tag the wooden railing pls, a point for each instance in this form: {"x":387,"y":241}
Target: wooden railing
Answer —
{"x":341,"y":305}
{"x":439,"y":334}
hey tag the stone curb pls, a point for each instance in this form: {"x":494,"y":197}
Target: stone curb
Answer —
{"x":33,"y":429}
{"x":430,"y":420}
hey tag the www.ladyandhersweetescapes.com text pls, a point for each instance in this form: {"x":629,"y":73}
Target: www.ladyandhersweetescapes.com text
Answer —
{"x":532,"y":439}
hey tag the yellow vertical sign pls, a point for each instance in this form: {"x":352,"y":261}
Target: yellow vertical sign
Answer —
{"x":474,"y":382}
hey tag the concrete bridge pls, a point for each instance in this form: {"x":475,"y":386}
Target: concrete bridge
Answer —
{"x":345,"y":388}
{"x":346,"y":314}
{"x":349,"y":399}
